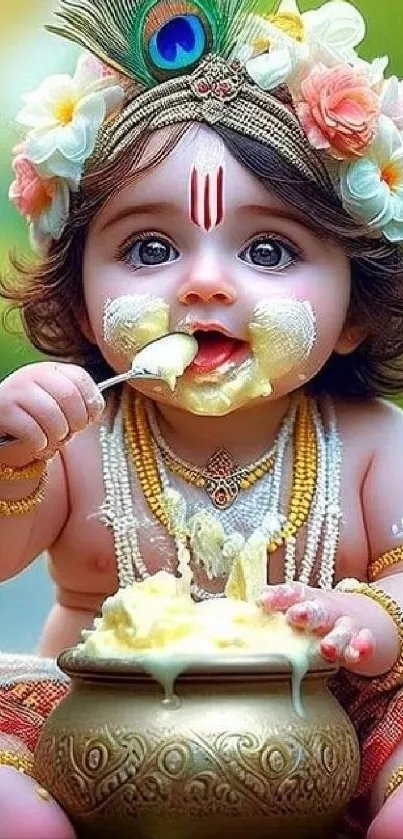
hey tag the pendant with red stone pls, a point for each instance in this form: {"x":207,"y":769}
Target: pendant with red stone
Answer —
{"x":223,"y":479}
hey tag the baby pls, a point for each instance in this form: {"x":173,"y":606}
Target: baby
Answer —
{"x":237,"y":176}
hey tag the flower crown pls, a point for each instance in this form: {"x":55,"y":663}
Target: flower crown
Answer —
{"x":350,"y":115}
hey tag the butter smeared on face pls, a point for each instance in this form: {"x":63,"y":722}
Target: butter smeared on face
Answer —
{"x":282,"y":334}
{"x":132,"y":321}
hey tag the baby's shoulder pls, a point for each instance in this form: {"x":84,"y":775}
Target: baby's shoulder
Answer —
{"x":371,"y":424}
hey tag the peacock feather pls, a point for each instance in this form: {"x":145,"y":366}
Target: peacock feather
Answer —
{"x":151,"y":40}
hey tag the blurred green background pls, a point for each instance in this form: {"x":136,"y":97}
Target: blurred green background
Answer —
{"x":28,"y":53}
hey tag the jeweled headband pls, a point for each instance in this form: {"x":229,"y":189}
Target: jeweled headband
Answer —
{"x":291,"y":80}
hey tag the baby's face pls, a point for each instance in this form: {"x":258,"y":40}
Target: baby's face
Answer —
{"x":198,"y":244}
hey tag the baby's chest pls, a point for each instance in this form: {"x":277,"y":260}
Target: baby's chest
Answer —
{"x":92,"y":558}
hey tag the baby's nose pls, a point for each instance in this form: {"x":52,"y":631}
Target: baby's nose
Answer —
{"x":220,"y":294}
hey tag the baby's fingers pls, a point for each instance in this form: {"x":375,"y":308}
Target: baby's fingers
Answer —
{"x":316,"y":616}
{"x":362,"y":646}
{"x":280,"y":598}
{"x":26,"y":429}
{"x":335,"y":643}
{"x":347,"y":644}
{"x":88,"y":390}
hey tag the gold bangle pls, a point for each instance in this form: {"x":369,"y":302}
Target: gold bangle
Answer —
{"x":395,"y":780}
{"x":24,"y":763}
{"x":394,"y":677}
{"x":22,"y":473}
{"x":386,"y":560}
{"x":25,"y":505}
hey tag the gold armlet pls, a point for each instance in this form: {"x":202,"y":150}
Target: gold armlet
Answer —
{"x":395,"y":781}
{"x":24,"y":763}
{"x":22,"y":473}
{"x":394,"y":677}
{"x":27,"y":504}
{"x":386,"y":560}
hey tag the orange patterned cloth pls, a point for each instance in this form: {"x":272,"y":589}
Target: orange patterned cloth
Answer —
{"x":378,"y":720}
{"x":30,"y":688}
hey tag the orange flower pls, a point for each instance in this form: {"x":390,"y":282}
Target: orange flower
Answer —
{"x":30,"y":193}
{"x":338,"y":110}
{"x":43,"y":201}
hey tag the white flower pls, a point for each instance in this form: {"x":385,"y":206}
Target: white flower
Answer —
{"x":327,"y":35}
{"x":270,"y":69}
{"x":392,"y":101}
{"x":371,"y":188}
{"x":64,"y":116}
{"x":333,"y":31}
{"x":374,"y":70}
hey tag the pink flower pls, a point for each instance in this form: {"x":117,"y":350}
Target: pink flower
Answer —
{"x":45,"y":202}
{"x":30,"y":193}
{"x":338,"y":110}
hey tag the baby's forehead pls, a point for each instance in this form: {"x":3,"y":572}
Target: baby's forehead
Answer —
{"x":199,"y":150}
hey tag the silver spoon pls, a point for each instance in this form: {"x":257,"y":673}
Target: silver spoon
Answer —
{"x":136,"y":373}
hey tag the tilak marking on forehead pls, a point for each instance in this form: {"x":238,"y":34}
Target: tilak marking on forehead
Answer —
{"x":207,"y":198}
{"x":206,"y":183}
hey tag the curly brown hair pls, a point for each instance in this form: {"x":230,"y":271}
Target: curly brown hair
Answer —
{"x":49,"y":293}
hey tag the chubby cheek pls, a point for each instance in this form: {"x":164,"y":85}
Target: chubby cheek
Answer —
{"x":295,"y":325}
{"x":124,"y":313}
{"x":282,"y":334}
{"x":328,"y":293}
{"x":131,"y":321}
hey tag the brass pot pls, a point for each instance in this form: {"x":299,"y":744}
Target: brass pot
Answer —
{"x":230,"y":758}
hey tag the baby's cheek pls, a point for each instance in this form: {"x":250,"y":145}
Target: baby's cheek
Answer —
{"x":27,"y":811}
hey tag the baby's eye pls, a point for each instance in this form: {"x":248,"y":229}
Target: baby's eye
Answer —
{"x":269,"y":252}
{"x":148,"y":251}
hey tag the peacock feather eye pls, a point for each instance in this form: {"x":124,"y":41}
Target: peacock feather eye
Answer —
{"x":150,"y":40}
{"x":178,"y":44}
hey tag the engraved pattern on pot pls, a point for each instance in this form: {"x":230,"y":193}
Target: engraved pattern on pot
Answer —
{"x":285,"y":770}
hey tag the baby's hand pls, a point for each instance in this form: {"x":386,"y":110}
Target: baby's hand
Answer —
{"x":343,"y":640}
{"x":44,"y":404}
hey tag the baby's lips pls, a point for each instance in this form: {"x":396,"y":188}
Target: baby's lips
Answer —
{"x":216,"y":347}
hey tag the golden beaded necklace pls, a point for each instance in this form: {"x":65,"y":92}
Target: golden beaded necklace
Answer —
{"x":142,"y":453}
{"x":304,"y":474}
{"x":221,"y":478}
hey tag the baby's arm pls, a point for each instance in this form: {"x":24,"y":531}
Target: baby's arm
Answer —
{"x":382,"y":498}
{"x":24,"y":537}
{"x":383,"y":510}
{"x":42,"y":405}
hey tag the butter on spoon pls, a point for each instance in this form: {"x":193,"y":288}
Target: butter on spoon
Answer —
{"x":166,"y":358}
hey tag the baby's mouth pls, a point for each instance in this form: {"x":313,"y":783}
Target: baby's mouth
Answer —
{"x":216,"y":349}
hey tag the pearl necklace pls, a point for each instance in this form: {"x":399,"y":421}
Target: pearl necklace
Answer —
{"x":117,"y":511}
{"x":322,"y":517}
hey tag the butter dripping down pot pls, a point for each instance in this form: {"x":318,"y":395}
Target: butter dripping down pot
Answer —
{"x":227,"y":754}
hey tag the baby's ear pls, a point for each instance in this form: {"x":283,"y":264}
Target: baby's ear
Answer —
{"x":351,"y":336}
